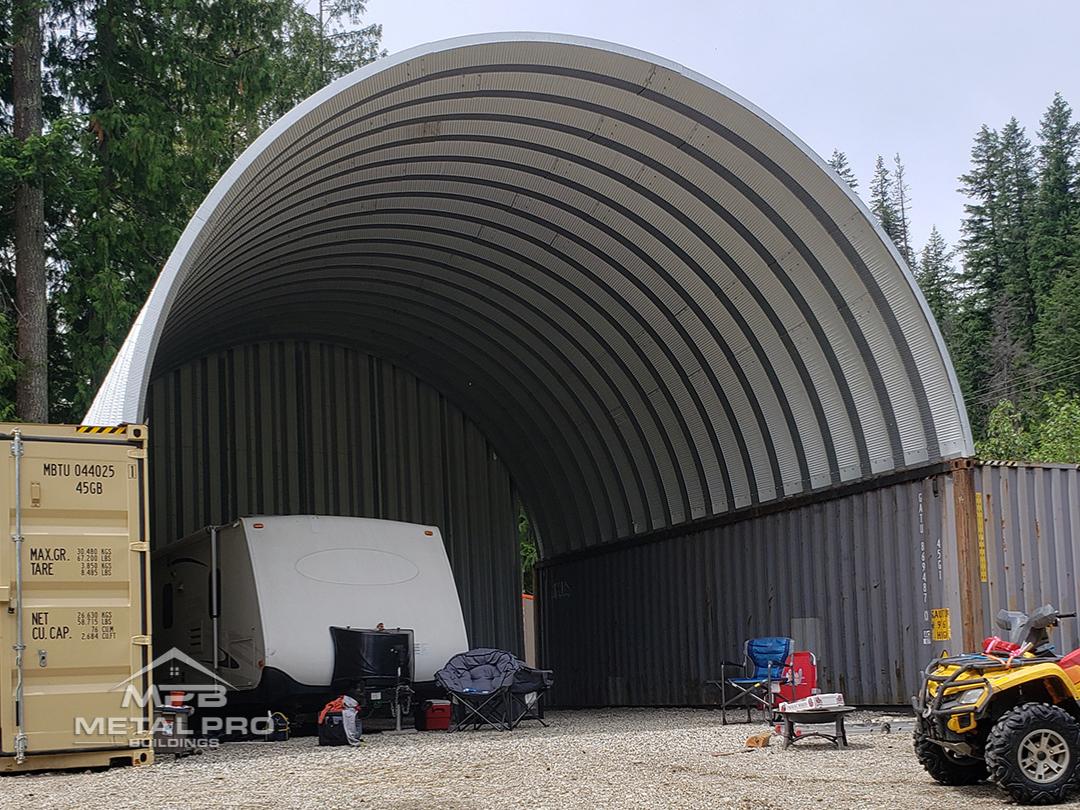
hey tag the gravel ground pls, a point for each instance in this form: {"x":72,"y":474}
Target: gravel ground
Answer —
{"x":626,"y":758}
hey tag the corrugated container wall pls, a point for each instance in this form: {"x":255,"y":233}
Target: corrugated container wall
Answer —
{"x":295,"y":427}
{"x":859,"y":579}
{"x":1029,"y":543}
{"x":76,"y":578}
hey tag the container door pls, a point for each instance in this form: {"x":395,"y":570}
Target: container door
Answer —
{"x":84,"y":595}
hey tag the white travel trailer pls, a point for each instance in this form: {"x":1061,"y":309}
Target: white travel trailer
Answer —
{"x":254,"y":601}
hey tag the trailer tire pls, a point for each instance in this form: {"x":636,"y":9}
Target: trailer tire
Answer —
{"x":947,"y":768}
{"x":1033,"y":754}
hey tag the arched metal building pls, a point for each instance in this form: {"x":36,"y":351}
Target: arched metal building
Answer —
{"x":557,"y":269}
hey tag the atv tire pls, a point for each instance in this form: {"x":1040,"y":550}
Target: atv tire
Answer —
{"x":946,"y":767}
{"x":1033,"y":754}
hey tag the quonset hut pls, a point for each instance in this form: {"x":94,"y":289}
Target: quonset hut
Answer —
{"x":540,"y":267}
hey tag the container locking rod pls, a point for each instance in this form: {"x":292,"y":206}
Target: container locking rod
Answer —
{"x":19,"y":646}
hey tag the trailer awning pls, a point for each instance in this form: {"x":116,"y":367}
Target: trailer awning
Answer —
{"x":657,"y":303}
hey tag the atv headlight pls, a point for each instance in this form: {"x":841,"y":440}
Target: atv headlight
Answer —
{"x":968,"y":696}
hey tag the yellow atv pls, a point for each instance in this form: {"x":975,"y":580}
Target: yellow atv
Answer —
{"x":1010,"y":714}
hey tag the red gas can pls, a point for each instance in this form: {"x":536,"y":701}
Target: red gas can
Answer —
{"x":434,"y":715}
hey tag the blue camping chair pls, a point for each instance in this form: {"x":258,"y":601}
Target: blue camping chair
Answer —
{"x":764,"y":663}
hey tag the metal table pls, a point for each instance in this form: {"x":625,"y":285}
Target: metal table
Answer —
{"x":816,"y":717}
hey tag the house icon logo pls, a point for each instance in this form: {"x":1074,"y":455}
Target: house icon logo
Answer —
{"x":184,"y":674}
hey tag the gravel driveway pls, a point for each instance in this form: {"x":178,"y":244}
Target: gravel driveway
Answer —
{"x":624,"y":758}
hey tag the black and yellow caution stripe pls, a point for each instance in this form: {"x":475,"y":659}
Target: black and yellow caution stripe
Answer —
{"x":101,"y":428}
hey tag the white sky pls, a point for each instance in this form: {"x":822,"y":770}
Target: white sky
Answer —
{"x":865,"y":76}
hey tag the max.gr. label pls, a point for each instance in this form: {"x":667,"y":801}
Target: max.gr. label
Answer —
{"x":90,"y":561}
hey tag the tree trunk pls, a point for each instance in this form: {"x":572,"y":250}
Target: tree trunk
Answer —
{"x":31,"y":343}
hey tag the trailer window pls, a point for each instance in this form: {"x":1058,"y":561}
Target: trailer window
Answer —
{"x":167,"y":605}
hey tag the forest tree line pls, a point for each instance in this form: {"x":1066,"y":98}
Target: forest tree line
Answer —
{"x":140,"y":107}
{"x":1007,"y":297}
{"x":116,"y":119}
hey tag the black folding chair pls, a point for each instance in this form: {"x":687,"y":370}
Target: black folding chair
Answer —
{"x":479,"y":683}
{"x":527,"y":695}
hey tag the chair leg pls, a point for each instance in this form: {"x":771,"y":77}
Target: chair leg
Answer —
{"x":723,"y":702}
{"x":768,"y":699}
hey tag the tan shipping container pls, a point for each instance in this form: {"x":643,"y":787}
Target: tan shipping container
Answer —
{"x":74,"y":579}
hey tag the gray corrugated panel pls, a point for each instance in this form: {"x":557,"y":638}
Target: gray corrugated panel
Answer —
{"x":353,"y":436}
{"x":681,"y":604}
{"x":1031,"y":513}
{"x":399,"y":212}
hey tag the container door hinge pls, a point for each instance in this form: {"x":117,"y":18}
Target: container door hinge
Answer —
{"x":136,"y":452}
{"x":141,"y":641}
{"x":139,"y":546}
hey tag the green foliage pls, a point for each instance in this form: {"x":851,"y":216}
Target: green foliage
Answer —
{"x":1055,"y":248}
{"x":1058,"y":332}
{"x":1051,"y":434}
{"x":1007,"y":436}
{"x":840,"y":165}
{"x":147,"y":104}
{"x":529,"y":551}
{"x":1018,"y":333}
{"x":901,"y":207}
{"x":883,"y":201}
{"x":936,"y":278}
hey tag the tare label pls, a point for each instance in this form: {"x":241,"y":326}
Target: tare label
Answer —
{"x":72,"y":562}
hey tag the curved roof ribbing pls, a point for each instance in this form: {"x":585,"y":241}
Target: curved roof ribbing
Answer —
{"x":657,"y":302}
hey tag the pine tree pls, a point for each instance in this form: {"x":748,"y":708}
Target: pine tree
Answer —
{"x":1015,"y":311}
{"x":32,"y":349}
{"x":1058,"y":333}
{"x":994,"y":356}
{"x":936,"y":278}
{"x":840,"y":165}
{"x":901,"y":204}
{"x":980,"y":278}
{"x":1053,"y":246}
{"x":882,"y":201}
{"x":1055,"y":250}
{"x":168,"y":94}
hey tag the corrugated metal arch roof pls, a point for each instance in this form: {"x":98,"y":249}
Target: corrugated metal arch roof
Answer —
{"x":658,"y":302}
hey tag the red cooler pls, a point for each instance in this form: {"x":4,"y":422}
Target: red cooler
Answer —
{"x":434,"y":715}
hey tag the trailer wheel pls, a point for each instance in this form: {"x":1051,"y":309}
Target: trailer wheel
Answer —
{"x":945,"y":766}
{"x":1033,"y":752}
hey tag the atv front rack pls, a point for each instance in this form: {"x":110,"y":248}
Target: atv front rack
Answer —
{"x":967,"y":675}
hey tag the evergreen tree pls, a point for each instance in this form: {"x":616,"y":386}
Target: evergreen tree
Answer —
{"x":901,"y":205}
{"x":148,"y":104}
{"x":1018,"y":193}
{"x":840,"y":165}
{"x":1054,"y":246}
{"x":1013,"y":344}
{"x":883,"y":201}
{"x":980,"y":279}
{"x":1058,"y":333}
{"x":32,"y":329}
{"x":1055,"y":250}
{"x":935,"y":275}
